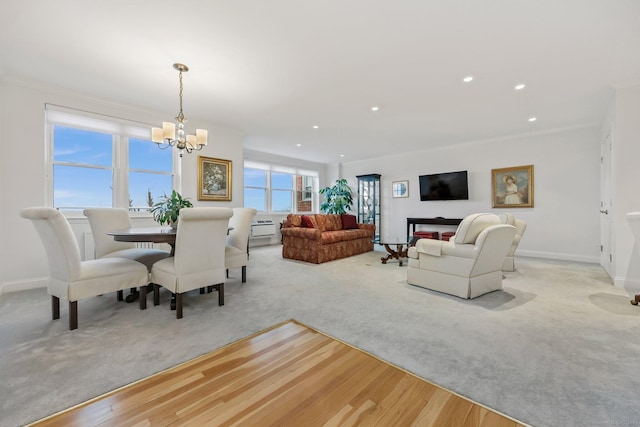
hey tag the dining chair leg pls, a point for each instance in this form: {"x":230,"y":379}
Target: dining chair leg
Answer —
{"x":156,"y":294}
{"x":244,"y":273}
{"x":179,"y":306}
{"x":210,"y":289}
{"x":120,"y":295}
{"x":73,"y":315}
{"x":143,"y":297}
{"x":202,"y":291}
{"x":227,"y":273}
{"x":55,"y":307}
{"x":220,"y":293}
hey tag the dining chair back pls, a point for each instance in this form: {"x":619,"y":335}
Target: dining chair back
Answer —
{"x":236,"y":252}
{"x":72,"y":279}
{"x":104,"y":220}
{"x":199,"y":260}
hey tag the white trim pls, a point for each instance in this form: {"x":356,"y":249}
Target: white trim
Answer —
{"x":560,"y":256}
{"x":23,"y":285}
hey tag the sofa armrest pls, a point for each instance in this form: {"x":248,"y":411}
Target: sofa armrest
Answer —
{"x":301,"y":232}
{"x":370,"y":227}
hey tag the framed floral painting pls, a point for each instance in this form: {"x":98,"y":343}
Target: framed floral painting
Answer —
{"x":512,"y":187}
{"x":214,"y":179}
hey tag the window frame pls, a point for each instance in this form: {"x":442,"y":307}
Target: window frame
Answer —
{"x":270,"y":168}
{"x":121,"y":131}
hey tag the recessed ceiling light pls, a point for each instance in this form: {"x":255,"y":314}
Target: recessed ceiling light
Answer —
{"x":341,"y":155}
{"x":315,"y":126}
{"x":375,"y":108}
{"x":298,"y":145}
{"x":519,"y":86}
{"x":467,"y":79}
{"x":533,"y":119}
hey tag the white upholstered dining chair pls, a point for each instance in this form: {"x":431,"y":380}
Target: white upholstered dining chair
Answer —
{"x":72,"y":279}
{"x":103,"y":220}
{"x":236,"y":252}
{"x":199,"y":260}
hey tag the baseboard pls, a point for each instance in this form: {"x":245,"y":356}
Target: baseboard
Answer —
{"x":23,"y":285}
{"x":559,"y":256}
{"x":629,"y":284}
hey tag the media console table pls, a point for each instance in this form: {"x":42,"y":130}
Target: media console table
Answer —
{"x":437,"y":221}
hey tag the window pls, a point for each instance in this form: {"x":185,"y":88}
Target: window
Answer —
{"x":277,"y":189}
{"x":98,"y":161}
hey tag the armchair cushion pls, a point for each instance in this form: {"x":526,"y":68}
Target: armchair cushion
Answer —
{"x":471,"y":226}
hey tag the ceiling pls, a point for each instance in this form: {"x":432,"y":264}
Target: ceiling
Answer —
{"x":274,"y":69}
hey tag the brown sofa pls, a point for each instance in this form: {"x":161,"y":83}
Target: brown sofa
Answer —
{"x":324,"y":237}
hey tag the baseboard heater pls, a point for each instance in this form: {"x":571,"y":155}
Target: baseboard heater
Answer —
{"x":263,"y":228}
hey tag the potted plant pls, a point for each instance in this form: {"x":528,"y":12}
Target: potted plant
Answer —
{"x":168,"y":208}
{"x":338,"y":199}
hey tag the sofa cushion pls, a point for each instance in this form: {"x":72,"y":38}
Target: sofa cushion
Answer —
{"x":328,"y":222}
{"x":343,"y":235}
{"x":307,"y":222}
{"x":294,"y":220}
{"x":349,"y":222}
{"x":472,"y":226}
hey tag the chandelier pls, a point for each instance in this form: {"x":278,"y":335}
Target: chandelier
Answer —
{"x":166,"y":136}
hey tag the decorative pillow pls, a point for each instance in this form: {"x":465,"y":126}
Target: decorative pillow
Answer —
{"x":306,"y":222}
{"x":472,"y":226}
{"x":349,"y":222}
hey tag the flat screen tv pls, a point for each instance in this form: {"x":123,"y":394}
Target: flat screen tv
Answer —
{"x":444,"y":186}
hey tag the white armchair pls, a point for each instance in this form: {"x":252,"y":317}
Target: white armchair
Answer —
{"x":507,"y":218}
{"x":69,"y":277}
{"x":199,"y":255}
{"x":236,"y":253}
{"x":467,"y":266}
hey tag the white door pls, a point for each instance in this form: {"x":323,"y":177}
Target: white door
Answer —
{"x":606,"y":257}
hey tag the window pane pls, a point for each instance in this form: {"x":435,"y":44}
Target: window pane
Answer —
{"x":303,"y":205}
{"x":145,"y":189}
{"x":281,"y":200}
{"x":82,"y":146}
{"x":79,"y":187}
{"x":255,"y":178}
{"x":145,"y":154}
{"x":255,"y":198}
{"x":282,"y":180}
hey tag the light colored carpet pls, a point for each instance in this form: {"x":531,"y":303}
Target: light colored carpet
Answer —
{"x":558,"y":347}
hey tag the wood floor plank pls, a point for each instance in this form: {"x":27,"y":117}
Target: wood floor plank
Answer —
{"x":289,"y":375}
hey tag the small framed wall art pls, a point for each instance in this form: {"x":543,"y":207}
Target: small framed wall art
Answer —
{"x":400,"y":189}
{"x":214,"y":179}
{"x":512,"y":187}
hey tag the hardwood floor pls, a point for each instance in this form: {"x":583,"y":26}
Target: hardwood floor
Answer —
{"x":289,"y":375}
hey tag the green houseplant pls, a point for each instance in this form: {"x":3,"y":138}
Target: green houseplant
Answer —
{"x":338,"y":199}
{"x":168,"y":208}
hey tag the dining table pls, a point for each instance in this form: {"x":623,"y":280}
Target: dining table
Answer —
{"x":147,"y":235}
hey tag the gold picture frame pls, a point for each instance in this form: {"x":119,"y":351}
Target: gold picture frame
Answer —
{"x":512,"y":187}
{"x":214,"y":179}
{"x":400,"y":189}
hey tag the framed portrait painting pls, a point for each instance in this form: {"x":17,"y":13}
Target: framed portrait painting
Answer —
{"x":512,"y":187}
{"x":400,"y":189}
{"x":214,"y":179}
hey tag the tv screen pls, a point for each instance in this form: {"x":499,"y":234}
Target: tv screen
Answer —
{"x":444,"y":186}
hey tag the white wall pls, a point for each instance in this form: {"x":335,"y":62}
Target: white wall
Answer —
{"x":564,"y":222}
{"x":22,"y":169}
{"x":626,"y":185}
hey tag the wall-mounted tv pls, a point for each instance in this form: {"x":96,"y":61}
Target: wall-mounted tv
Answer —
{"x":444,"y":186}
